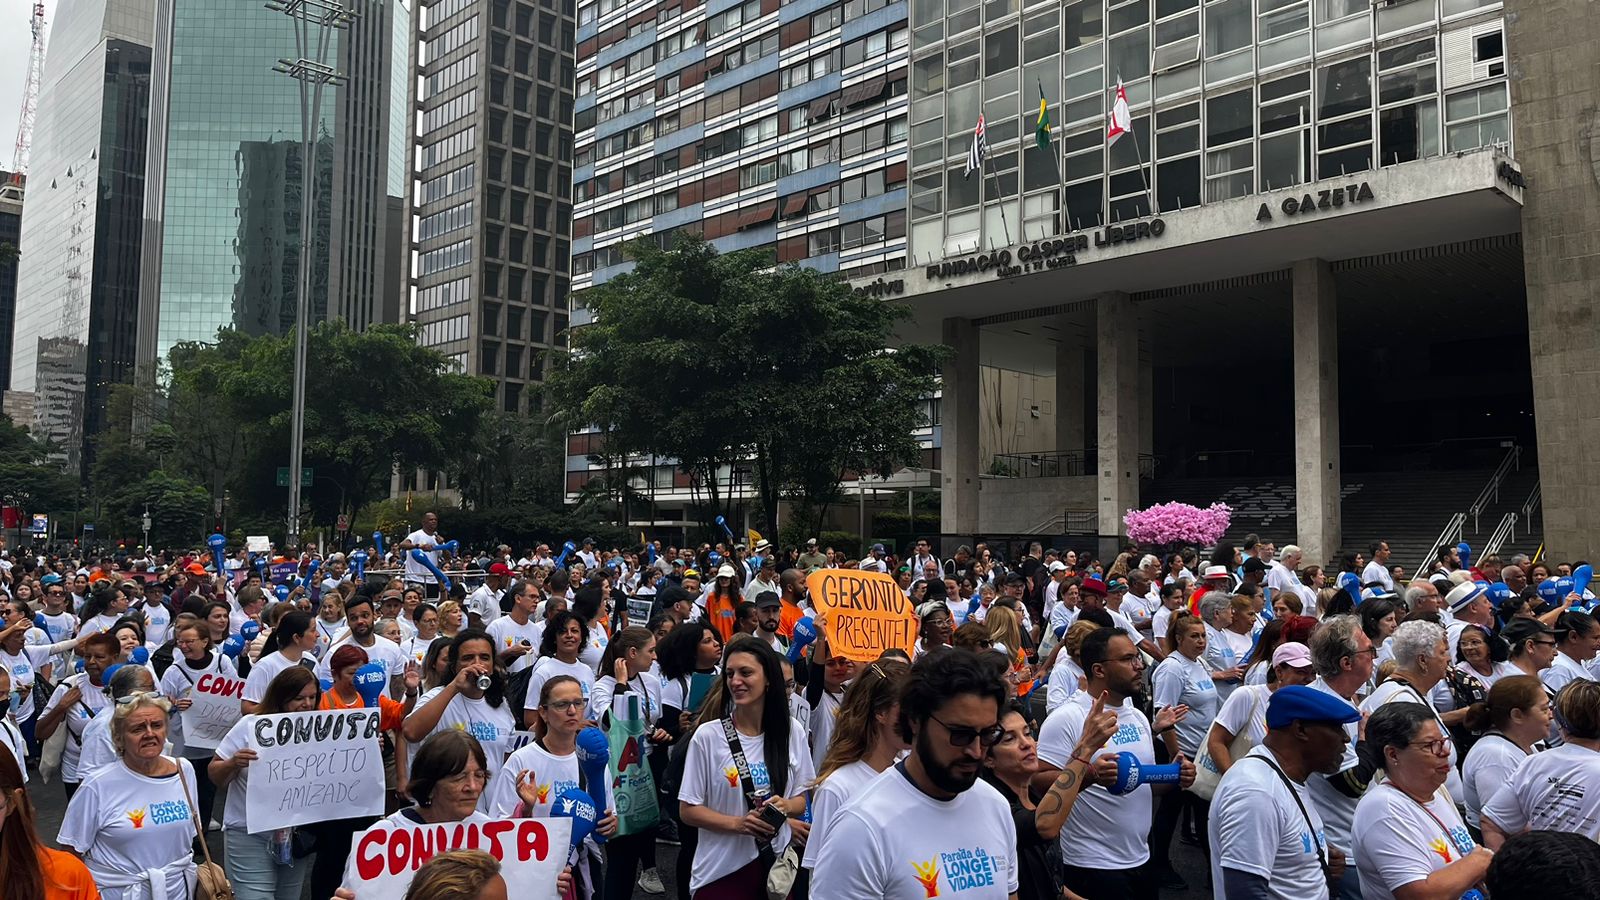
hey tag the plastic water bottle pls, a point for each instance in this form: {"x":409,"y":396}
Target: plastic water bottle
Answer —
{"x":282,"y":846}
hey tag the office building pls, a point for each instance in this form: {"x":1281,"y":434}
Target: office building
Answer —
{"x":78,"y":275}
{"x":490,"y":206}
{"x":12,"y":188}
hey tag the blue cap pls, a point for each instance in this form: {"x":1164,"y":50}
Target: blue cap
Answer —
{"x":878,"y":548}
{"x":1297,"y":702}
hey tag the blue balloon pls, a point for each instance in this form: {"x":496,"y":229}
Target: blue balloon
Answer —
{"x":39,"y":620}
{"x":1131,"y":774}
{"x":805,"y":632}
{"x":578,"y":806}
{"x":1350,"y":583}
{"x":593,"y":752}
{"x":218,"y":545}
{"x":1581,"y":576}
{"x":1499,"y":593}
{"x":715,"y":557}
{"x":250,"y":630}
{"x":326,"y":684}
{"x":233,"y":646}
{"x":370,"y":681}
{"x":139,"y":656}
{"x":281,"y":591}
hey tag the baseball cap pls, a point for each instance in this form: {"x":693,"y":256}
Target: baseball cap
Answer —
{"x":1117,"y":584}
{"x":1255,"y":565}
{"x":768,"y":599}
{"x":1058,"y":566}
{"x":1295,"y":702}
{"x":1464,"y":593}
{"x":1519,"y":630}
{"x":587,"y":541}
{"x":877,"y":548}
{"x":1015,"y":578}
{"x":1216,"y":572}
{"x":1093,"y":585}
{"x":689,"y":573}
{"x":726,"y":571}
{"x":811,"y":542}
{"x":50,"y":579}
{"x":1292,"y":652}
{"x":195,"y":569}
{"x":499,"y":569}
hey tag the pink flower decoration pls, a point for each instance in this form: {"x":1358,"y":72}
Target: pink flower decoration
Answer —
{"x":1178,"y":523}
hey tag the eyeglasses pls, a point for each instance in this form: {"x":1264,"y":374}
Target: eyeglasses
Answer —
{"x":564,"y":705}
{"x":1437,"y":747}
{"x":131,"y":699}
{"x":964,"y":735}
{"x":1546,"y":643}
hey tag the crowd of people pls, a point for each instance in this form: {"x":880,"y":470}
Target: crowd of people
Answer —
{"x":1058,"y":723}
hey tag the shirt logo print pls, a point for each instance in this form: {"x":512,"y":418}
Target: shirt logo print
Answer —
{"x":928,"y":876}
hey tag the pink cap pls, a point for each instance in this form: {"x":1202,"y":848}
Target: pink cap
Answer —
{"x":1294,"y":653}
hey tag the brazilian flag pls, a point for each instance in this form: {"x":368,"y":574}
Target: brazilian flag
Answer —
{"x":1041,"y":130}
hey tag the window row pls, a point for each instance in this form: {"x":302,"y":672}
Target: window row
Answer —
{"x":455,"y":328}
{"x":439,"y":45}
{"x":448,"y":184}
{"x":450,"y":111}
{"x":445,"y":221}
{"x":457,"y":254}
{"x":434,"y":13}
{"x":440,"y":295}
{"x":450,"y":76}
{"x":448,"y":147}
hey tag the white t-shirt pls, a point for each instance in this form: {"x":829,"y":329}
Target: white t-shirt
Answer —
{"x":842,"y":787}
{"x":97,"y":750}
{"x":261,"y":674}
{"x":76,"y":720}
{"x":157,"y":622}
{"x":1245,"y":711}
{"x":1557,"y":790}
{"x":1063,"y":682}
{"x":1399,"y":692}
{"x":547,"y":668}
{"x":1222,"y":653}
{"x":1179,"y":680}
{"x":237,"y":738}
{"x":1488,"y":768}
{"x":485,"y":601}
{"x":1398,"y":843}
{"x":23,"y":669}
{"x":711,"y":779}
{"x":1159,"y":622}
{"x":1105,"y":830}
{"x":382,"y":650}
{"x":415,"y":649}
{"x":646,"y":685}
{"x":1257,"y":827}
{"x":102,"y":622}
{"x":507,"y":634}
{"x":594,"y":647}
{"x":11,"y":740}
{"x":821,"y":723}
{"x":965,"y":847}
{"x":1378,"y":572}
{"x":1337,"y":810}
{"x":553,"y":774}
{"x":491,"y":725}
{"x":415,"y":571}
{"x":1564,"y":670}
{"x":122,"y":822}
{"x":179,"y":682}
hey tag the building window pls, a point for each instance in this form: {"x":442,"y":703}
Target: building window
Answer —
{"x":1477,"y":118}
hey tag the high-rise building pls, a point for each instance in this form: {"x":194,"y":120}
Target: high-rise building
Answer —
{"x":491,"y":207}
{"x":78,"y":273}
{"x":223,"y":239}
{"x":755,"y":123}
{"x":12,"y":188}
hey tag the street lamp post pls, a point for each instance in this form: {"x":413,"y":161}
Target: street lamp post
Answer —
{"x":315,"y":21}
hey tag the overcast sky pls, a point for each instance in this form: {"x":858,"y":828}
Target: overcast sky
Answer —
{"x":15,"y":38}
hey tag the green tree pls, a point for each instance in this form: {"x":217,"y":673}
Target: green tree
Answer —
{"x":711,"y":357}
{"x":376,"y":400}
{"x":29,"y":478}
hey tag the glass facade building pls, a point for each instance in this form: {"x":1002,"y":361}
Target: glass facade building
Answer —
{"x":1229,"y":98}
{"x":11,"y":196}
{"x":77,"y":280}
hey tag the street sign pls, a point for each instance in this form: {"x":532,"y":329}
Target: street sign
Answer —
{"x":88,"y":526}
{"x":41,"y":525}
{"x":283,"y":476}
{"x":344,"y":522}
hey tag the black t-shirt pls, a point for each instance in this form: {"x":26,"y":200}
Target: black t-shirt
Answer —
{"x":1036,"y":879}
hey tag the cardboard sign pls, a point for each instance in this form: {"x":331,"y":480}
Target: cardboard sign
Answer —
{"x":258,"y":543}
{"x":313,"y":767}
{"x":532,"y":852}
{"x":213,"y":711}
{"x":867,"y":613}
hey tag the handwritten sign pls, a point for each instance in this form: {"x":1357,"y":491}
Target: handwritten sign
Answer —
{"x":385,"y":858}
{"x":213,"y":710}
{"x":867,"y":613}
{"x":313,"y":767}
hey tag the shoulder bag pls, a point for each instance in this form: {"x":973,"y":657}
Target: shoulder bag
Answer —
{"x":781,"y":870}
{"x":211,"y":882}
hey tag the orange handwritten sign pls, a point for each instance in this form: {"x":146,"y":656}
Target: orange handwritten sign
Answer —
{"x":867,"y":613}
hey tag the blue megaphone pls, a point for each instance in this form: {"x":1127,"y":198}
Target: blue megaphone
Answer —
{"x":39,"y":621}
{"x":1547,"y":591}
{"x":1464,"y":551}
{"x":725,"y":529}
{"x":715,"y":558}
{"x":233,"y":646}
{"x":377,"y":541}
{"x":1131,"y":774}
{"x":594,"y":751}
{"x":326,"y":684}
{"x":1581,"y":576}
{"x":578,"y":806}
{"x":281,"y":591}
{"x":218,"y":545}
{"x":370,"y":680}
{"x":358,"y":561}
{"x":139,"y":655}
{"x":250,"y":630}
{"x":444,"y":580}
{"x":566,"y":549}
{"x":1565,"y":585}
{"x":805,"y":632}
{"x":1499,"y":593}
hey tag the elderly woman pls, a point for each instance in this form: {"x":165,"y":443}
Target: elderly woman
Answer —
{"x":1410,"y":843}
{"x":251,"y":865}
{"x":1422,"y":657}
{"x":133,"y":822}
{"x":1222,"y":654}
{"x":1549,"y":791}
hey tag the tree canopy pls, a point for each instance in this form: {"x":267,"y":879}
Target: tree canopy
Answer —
{"x":711,"y":358}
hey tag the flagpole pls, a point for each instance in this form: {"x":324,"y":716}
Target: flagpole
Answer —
{"x":1003,"y":223}
{"x":1133,"y":132}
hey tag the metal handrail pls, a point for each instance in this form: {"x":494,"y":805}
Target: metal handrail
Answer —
{"x":1491,"y":491}
{"x":1066,"y":521}
{"x":1506,"y":530}
{"x":1450,"y":535}
{"x":1534,"y":501}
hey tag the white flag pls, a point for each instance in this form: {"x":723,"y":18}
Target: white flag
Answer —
{"x":1121,"y":120}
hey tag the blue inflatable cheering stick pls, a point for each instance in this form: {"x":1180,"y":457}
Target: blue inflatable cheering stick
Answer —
{"x":444,"y":580}
{"x":218,"y":545}
{"x":566,"y":549}
{"x":593,"y":752}
{"x":805,"y":632}
{"x":377,"y":541}
{"x":370,"y":681}
{"x":578,"y":806}
{"x":725,"y":529}
{"x":358,"y":561}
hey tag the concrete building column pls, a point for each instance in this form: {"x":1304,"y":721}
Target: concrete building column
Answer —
{"x":1316,"y":411}
{"x":1552,"y":104}
{"x":1071,"y":367}
{"x":1117,"y":412}
{"x":959,"y":465}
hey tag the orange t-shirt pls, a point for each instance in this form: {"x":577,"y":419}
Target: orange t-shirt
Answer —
{"x":722,"y":615}
{"x":65,"y":876}
{"x":787,"y":616}
{"x":390,"y":712}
